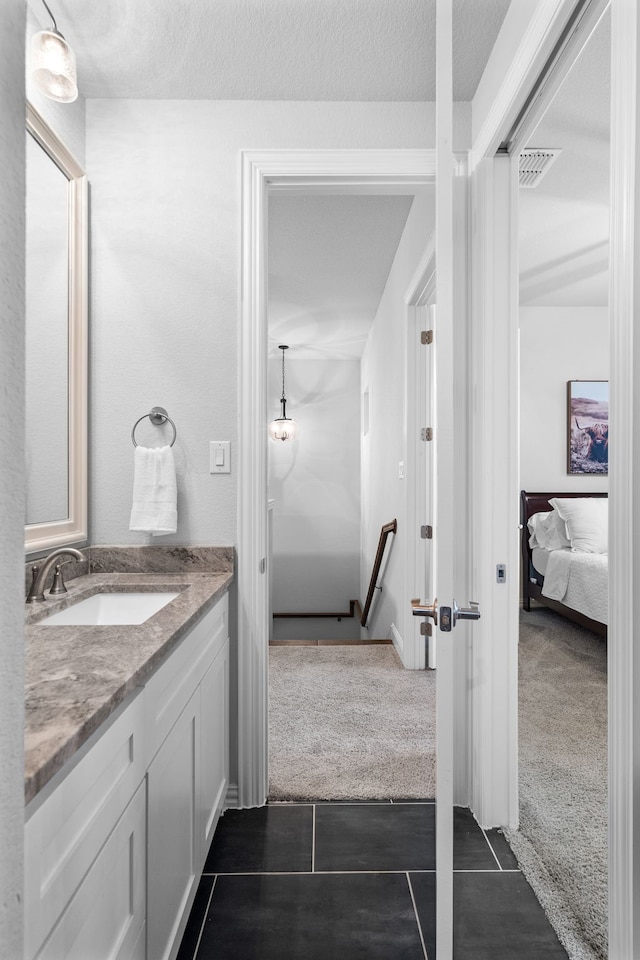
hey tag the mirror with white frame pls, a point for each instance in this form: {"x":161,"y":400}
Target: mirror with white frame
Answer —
{"x":56,"y":341}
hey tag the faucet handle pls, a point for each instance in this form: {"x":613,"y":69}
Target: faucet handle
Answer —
{"x":35,"y":570}
{"x":58,"y":583}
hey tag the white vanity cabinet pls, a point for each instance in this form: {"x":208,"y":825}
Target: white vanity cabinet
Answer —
{"x":173,"y":840}
{"x":214,"y":748}
{"x":114,"y":848}
{"x":85,"y":851}
{"x":187,"y":701}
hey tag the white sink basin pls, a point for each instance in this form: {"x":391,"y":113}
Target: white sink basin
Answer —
{"x":111,"y":608}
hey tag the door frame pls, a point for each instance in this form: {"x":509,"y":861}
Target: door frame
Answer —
{"x":261,"y":171}
{"x":420,"y":292}
{"x":624,"y":486}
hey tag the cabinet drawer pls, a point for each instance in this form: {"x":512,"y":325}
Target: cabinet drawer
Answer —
{"x":106,"y":918}
{"x":170,"y":688}
{"x":65,"y":833}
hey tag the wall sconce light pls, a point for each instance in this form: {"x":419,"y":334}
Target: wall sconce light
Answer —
{"x":53,"y":64}
{"x":283,"y":428}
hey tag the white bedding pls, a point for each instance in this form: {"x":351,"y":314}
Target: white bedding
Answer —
{"x":540,"y":558}
{"x":579,"y":580}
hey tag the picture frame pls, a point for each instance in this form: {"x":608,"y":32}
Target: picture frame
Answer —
{"x":588,"y":427}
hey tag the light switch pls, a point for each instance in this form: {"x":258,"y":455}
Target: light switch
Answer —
{"x":219,"y":456}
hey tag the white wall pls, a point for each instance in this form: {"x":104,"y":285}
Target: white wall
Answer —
{"x":315,"y":482}
{"x":384,"y":446}
{"x":12,"y":162}
{"x":557,"y":344}
{"x":165,"y":278}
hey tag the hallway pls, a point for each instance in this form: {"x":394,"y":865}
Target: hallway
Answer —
{"x":356,"y":881}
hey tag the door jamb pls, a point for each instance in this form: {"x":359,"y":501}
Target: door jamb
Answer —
{"x":420,"y":291}
{"x":260,"y":170}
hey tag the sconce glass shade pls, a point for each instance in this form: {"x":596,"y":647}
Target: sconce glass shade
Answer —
{"x":283,"y":429}
{"x":53,"y":66}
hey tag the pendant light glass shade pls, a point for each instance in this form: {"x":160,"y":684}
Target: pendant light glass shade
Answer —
{"x":53,"y":66}
{"x":283,"y":427}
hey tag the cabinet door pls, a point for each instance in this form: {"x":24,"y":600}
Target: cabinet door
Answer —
{"x":105,"y":918}
{"x":214,"y":744}
{"x":173,"y":834}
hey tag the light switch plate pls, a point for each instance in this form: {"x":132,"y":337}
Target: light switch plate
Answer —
{"x":219,"y":456}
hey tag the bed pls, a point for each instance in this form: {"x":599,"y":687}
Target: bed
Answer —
{"x":568,"y":574}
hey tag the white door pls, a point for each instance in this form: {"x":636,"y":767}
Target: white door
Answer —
{"x":442,"y":610}
{"x":452,"y":535}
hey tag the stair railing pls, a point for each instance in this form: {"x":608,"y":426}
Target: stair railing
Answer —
{"x":355,"y":607}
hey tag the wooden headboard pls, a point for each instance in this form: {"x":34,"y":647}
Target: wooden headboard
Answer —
{"x":531,"y":588}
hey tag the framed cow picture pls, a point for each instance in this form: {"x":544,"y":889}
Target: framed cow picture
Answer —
{"x":588,"y":433}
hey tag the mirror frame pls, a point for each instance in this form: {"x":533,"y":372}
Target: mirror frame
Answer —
{"x":74,"y":528}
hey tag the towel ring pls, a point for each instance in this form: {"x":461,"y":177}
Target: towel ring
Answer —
{"x":158,"y":415}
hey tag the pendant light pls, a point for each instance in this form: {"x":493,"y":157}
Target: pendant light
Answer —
{"x":283,"y":428}
{"x":53,"y":64}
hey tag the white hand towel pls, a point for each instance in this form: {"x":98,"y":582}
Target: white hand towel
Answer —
{"x":154,"y":508}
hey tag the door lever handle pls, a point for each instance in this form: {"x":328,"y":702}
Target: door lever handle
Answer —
{"x":472,"y":612}
{"x":426,"y":609}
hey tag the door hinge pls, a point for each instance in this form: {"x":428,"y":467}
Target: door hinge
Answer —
{"x":426,"y":433}
{"x":426,"y":532}
{"x":426,"y":629}
{"x":426,"y":337}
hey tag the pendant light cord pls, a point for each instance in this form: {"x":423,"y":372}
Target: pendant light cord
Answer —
{"x":283,"y":396}
{"x":53,"y":20}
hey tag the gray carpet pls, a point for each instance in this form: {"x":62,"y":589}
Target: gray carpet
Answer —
{"x":349,"y":723}
{"x":562,"y":841}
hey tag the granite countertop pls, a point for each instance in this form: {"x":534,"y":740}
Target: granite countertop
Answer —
{"x":77,"y":675}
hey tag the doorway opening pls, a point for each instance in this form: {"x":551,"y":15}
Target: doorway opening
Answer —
{"x":339,"y":267}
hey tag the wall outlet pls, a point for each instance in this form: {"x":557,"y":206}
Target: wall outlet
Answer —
{"x":401,"y":470}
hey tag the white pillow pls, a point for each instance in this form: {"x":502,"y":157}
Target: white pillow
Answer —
{"x":587,"y":520}
{"x":548,"y":530}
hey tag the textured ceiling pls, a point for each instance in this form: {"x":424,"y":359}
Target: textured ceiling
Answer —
{"x":329,"y":259}
{"x":272,"y":49}
{"x":564,"y":223}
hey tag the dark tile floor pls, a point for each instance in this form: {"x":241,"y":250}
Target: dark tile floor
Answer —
{"x":356,"y":881}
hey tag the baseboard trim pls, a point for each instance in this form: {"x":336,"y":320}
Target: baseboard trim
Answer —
{"x":232,"y":799}
{"x":397,"y":641}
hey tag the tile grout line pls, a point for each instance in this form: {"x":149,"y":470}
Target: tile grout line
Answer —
{"x":348,"y":873}
{"x":350,"y":803}
{"x":415,"y":910}
{"x":338,"y":873}
{"x":495,"y":856}
{"x":204,"y":919}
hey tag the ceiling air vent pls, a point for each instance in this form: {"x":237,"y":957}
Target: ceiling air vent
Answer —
{"x":534,"y":163}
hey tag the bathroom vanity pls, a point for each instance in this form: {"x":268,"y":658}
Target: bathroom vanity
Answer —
{"x":127,"y":762}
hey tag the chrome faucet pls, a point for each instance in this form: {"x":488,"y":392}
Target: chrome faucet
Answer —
{"x":40,"y":573}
